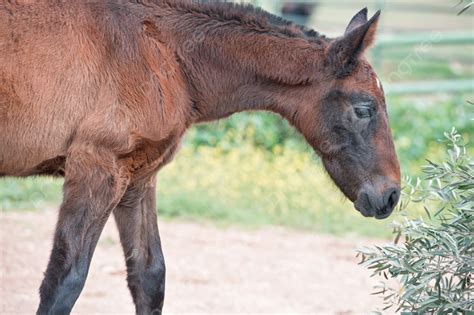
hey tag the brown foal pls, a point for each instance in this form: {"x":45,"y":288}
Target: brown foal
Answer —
{"x":101,"y":92}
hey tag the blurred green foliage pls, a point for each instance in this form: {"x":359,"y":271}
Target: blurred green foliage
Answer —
{"x":417,"y":127}
{"x":28,"y":193}
{"x":262,"y":130}
{"x":253,"y":187}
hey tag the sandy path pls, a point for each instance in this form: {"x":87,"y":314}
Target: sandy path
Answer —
{"x":209,"y":270}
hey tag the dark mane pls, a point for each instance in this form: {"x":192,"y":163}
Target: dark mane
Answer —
{"x":245,"y":14}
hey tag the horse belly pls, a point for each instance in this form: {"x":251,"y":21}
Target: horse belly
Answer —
{"x":23,"y":153}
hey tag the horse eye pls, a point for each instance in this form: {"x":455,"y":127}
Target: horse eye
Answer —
{"x":363,"y":112}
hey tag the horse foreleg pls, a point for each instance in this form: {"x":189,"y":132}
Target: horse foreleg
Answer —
{"x":137,"y":223}
{"x":94,"y":184}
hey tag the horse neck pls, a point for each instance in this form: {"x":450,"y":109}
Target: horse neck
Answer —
{"x":234,"y":64}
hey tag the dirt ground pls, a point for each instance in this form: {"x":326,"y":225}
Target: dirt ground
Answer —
{"x":209,"y":270}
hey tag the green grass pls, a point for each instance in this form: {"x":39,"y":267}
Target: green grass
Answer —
{"x":29,"y":193}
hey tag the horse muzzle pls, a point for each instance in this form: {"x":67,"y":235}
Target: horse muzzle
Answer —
{"x":378,"y":204}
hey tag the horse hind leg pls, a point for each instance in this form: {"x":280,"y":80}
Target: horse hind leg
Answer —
{"x":137,"y":224}
{"x":94,"y":184}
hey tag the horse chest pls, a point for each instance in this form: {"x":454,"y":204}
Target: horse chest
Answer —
{"x":149,"y":156}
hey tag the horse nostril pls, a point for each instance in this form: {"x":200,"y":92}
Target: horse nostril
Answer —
{"x":380,"y":206}
{"x":363,"y":205}
{"x":391,"y":198}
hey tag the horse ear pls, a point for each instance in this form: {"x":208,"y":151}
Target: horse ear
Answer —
{"x":357,"y":20}
{"x":344,"y":51}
